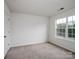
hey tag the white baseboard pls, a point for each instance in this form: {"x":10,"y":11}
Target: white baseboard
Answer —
{"x":66,"y":44}
{"x":28,"y":43}
{"x":7,"y":51}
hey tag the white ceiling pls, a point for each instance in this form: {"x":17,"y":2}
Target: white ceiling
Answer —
{"x":40,"y":7}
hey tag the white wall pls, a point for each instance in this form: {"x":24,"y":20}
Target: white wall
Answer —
{"x":31,"y":29}
{"x":6,"y":29}
{"x":28,"y":29}
{"x":66,"y":43}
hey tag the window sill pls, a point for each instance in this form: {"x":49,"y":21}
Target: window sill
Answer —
{"x":64,"y":38}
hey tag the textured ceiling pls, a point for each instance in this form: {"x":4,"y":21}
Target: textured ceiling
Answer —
{"x":40,"y":7}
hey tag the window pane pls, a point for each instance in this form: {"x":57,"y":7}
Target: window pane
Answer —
{"x":70,"y":19}
{"x":71,"y":26}
{"x":61,"y":34}
{"x":60,"y":28}
{"x":70,"y":30}
{"x":61,"y":21}
{"x":64,"y":20}
{"x":73,"y":36}
{"x":63,"y":30}
{"x":70,"y":35}
{"x":58,"y":21}
{"x":62,"y":24}
{"x":58,"y":34}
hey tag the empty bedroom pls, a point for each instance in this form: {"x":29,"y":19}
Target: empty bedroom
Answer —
{"x":39,"y":29}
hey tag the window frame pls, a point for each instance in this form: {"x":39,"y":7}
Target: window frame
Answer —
{"x":66,"y":30}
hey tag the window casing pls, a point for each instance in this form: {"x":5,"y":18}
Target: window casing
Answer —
{"x":65,"y":27}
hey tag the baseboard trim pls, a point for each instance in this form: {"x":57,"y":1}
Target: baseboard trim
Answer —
{"x":28,"y":44}
{"x":62,"y":47}
{"x":7,"y":52}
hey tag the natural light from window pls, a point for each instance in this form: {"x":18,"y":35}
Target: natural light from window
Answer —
{"x":65,"y":27}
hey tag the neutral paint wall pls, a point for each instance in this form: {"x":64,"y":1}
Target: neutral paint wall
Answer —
{"x":66,"y":43}
{"x":6,"y":9}
{"x":28,"y":29}
{"x":6,"y":28}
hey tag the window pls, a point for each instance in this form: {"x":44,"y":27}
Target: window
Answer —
{"x":71,"y":27}
{"x":61,"y":24}
{"x":65,"y":27}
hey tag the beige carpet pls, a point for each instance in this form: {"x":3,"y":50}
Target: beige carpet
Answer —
{"x":39,"y":51}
